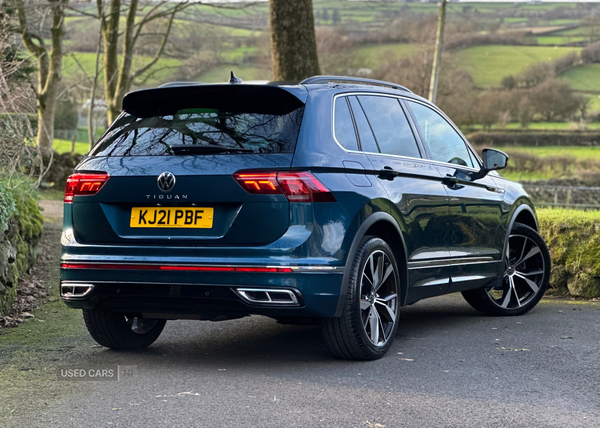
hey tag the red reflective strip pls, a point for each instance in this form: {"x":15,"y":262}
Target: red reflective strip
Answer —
{"x":174,"y":268}
{"x":279,"y":270}
{"x":199,"y":268}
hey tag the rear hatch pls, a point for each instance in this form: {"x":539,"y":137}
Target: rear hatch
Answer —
{"x":171,"y":157}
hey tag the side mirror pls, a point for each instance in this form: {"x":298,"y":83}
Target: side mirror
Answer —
{"x":492,"y":160}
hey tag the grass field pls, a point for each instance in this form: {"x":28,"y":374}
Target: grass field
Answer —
{"x":64,"y":146}
{"x":489,"y":64}
{"x":577,"y":152}
{"x":542,"y":126}
{"x":221,"y":73}
{"x":584,"y":78}
{"x":376,"y":56}
{"x":558,"y":40}
{"x":549,"y":162}
{"x":74,"y":63}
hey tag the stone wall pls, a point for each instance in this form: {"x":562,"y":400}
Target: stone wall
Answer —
{"x":573,"y":238}
{"x":18,"y":244}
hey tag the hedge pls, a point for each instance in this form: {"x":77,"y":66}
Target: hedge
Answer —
{"x":21,"y":226}
{"x":535,"y":138}
{"x":573,"y":237}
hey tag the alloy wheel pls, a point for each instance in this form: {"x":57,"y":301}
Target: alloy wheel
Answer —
{"x":523,"y":274}
{"x":378,"y":298}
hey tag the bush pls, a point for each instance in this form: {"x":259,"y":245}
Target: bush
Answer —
{"x":555,"y":100}
{"x":8,"y":117}
{"x":573,"y":238}
{"x":66,"y":116}
{"x":591,"y":53}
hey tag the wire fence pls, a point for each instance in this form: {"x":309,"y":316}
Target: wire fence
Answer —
{"x":586,"y":198}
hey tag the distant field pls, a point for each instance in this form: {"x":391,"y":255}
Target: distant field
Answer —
{"x":577,"y":152}
{"x":584,"y":78}
{"x":378,"y":55}
{"x":87,"y":60}
{"x":64,"y":146}
{"x":594,"y":104}
{"x":558,"y":40}
{"x":542,"y":126}
{"x":221,"y":73}
{"x":489,"y":64}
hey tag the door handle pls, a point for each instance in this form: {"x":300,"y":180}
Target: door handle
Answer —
{"x":388,"y":173}
{"x":452,"y":182}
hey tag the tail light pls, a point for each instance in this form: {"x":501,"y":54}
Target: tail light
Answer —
{"x":84,"y":184}
{"x":296,"y":186}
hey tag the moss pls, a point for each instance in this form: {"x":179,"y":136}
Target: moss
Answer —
{"x":573,"y":238}
{"x":21,"y":230}
{"x":7,"y":207}
{"x":30,"y":218}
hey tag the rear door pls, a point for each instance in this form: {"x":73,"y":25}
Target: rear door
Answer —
{"x":171,"y":158}
{"x":413,"y":186}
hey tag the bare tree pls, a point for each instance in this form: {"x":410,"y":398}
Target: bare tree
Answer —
{"x":49,"y":62}
{"x":17,"y":103}
{"x":293,"y":46}
{"x":119,"y":76}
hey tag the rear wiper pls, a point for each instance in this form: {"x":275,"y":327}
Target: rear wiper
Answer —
{"x":197,"y":148}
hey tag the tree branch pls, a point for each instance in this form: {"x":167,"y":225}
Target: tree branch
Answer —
{"x":154,"y":60}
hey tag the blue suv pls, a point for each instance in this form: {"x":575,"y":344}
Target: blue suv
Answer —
{"x":336,"y":200}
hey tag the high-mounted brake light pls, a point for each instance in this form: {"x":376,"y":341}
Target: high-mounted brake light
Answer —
{"x":296,"y":186}
{"x":84,"y":184}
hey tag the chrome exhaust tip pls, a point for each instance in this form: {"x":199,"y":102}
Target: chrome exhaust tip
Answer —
{"x":269,"y":296}
{"x":74,"y":289}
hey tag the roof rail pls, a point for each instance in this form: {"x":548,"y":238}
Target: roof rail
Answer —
{"x":358,"y":80}
{"x":169,"y":84}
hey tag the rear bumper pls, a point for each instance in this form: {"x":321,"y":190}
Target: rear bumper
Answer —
{"x":303,"y":292}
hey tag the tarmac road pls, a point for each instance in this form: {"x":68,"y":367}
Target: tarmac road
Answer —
{"x":449,"y":367}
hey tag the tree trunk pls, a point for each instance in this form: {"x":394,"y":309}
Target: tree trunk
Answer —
{"x":109,"y":24}
{"x":119,"y":77}
{"x":49,"y":68}
{"x":293,"y":45}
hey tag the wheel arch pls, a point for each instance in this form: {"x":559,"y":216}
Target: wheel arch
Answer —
{"x":524,"y":214}
{"x":381,"y":225}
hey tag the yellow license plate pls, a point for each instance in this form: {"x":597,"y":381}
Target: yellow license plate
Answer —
{"x":188,"y":217}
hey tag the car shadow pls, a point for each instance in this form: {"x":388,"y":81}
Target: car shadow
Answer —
{"x":261,"y":342}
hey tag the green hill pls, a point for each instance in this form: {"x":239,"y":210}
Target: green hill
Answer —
{"x":584,"y":78}
{"x":489,"y":64}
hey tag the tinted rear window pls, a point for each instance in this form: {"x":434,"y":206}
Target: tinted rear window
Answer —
{"x":262,"y":125}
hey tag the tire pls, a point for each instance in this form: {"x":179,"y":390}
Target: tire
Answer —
{"x":525,"y":279}
{"x":119,"y":331}
{"x":369,"y":321}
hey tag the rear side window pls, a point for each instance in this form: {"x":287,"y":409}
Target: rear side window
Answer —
{"x":390,"y":126}
{"x":367,"y":140}
{"x":202,"y":130}
{"x":344,"y":128}
{"x":445,"y":144}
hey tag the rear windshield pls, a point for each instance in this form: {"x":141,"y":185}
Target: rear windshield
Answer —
{"x":186,"y":129}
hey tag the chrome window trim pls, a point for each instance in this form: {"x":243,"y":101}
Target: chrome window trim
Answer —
{"x":437,"y":110}
{"x":456,"y":129}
